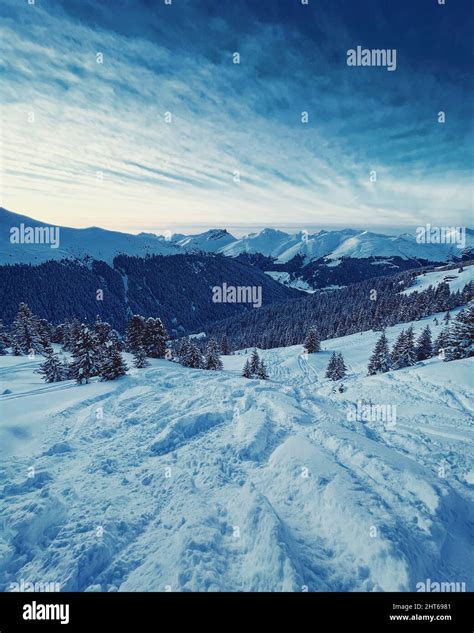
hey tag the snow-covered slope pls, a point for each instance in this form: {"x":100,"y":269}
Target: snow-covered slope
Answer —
{"x":367,"y":244}
{"x":455,"y":279}
{"x":268,"y":242}
{"x":93,"y":242}
{"x":179,"y":479}
{"x":343,"y":243}
{"x":315,"y":246}
{"x":208,"y":242}
{"x":102,"y":244}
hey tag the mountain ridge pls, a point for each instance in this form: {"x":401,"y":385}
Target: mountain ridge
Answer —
{"x":103,"y":244}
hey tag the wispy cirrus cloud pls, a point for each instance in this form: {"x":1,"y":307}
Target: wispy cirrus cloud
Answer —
{"x":101,"y":149}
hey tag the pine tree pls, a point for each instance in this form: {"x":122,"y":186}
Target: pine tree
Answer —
{"x":154,"y":338}
{"x":3,"y":349}
{"x":424,"y":345}
{"x":45,"y":333}
{"x":442,"y":341}
{"x":380,"y":361}
{"x":24,"y":331}
{"x":246,"y":373}
{"x":408,"y":353}
{"x":183,"y":352}
{"x":113,"y":365}
{"x":102,"y":330}
{"x":225,"y":348}
{"x":331,"y":369}
{"x":72,"y":332}
{"x":139,"y":358}
{"x":312,"y":341}
{"x":86,"y":356}
{"x":16,"y":349}
{"x":194,"y":358}
{"x":442,"y":297}
{"x":397,"y":351}
{"x":262,"y":371}
{"x":116,"y":340}
{"x":134,"y":333}
{"x":447,"y":317}
{"x":254,"y":362}
{"x":4,"y":338}
{"x":461,"y":340}
{"x":212,"y":359}
{"x":341,"y":369}
{"x":51,"y":369}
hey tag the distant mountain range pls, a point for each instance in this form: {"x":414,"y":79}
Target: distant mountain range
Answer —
{"x":301,"y":260}
{"x":282,"y":247}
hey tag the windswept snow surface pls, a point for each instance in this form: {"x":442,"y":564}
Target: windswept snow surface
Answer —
{"x":186,"y":480}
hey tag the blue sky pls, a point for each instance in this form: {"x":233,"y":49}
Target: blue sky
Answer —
{"x":99,"y":151}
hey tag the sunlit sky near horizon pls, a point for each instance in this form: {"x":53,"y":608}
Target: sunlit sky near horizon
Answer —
{"x":92,"y":118}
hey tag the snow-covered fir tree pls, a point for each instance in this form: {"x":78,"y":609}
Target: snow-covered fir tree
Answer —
{"x":255,"y":367}
{"x":409,"y":353}
{"x":102,"y":330}
{"x":380,"y":361}
{"x":312,"y":341}
{"x":212,"y":359}
{"x":4,"y":339}
{"x":25,"y":332}
{"x":397,"y":351}
{"x":113,"y":365}
{"x":72,"y":332}
{"x":442,"y":297}
{"x":254,"y":362}
{"x":182,"y":352}
{"x":246,"y":372}
{"x":225,"y":347}
{"x":341,"y":369}
{"x":45,"y":333}
{"x":403,"y":352}
{"x":154,"y":338}
{"x":139,"y":358}
{"x":116,"y":340}
{"x":134,"y":333}
{"x":51,"y":369}
{"x":194,"y":357}
{"x":461,"y":339}
{"x":336,"y":369}
{"x":442,"y":340}
{"x":86,"y":356}
{"x":447,"y":317}
{"x":424,"y":345}
{"x":262,"y":371}
{"x":332,"y":367}
{"x":15,"y":345}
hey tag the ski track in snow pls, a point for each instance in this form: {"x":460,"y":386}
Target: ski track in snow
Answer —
{"x":188,"y":480}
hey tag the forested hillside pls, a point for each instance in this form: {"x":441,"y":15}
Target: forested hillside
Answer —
{"x":177,"y":288}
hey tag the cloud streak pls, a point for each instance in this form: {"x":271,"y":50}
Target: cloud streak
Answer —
{"x":168,"y":131}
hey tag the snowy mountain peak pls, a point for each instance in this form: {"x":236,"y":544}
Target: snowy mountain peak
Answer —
{"x":208,"y":242}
